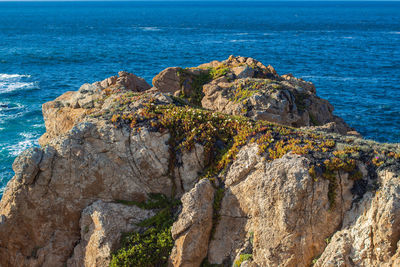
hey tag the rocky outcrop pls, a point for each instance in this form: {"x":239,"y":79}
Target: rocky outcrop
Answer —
{"x":61,"y":114}
{"x":244,"y":86}
{"x":252,"y":192}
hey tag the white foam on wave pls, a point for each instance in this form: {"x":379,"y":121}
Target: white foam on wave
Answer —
{"x":348,"y":37}
{"x":150,"y":29}
{"x":37,"y":125}
{"x":13,"y":82}
{"x":5,"y":176}
{"x":30,"y":140}
{"x":394,"y":32}
{"x":3,"y":106}
{"x":241,"y":41}
{"x":5,"y":76}
{"x":213,"y":42}
{"x":27,"y":135}
{"x":6,"y":87}
{"x":10,"y":112}
{"x":336,"y":78}
{"x":10,"y":106}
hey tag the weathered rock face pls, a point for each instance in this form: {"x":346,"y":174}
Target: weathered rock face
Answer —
{"x":370,"y":231}
{"x":269,"y":195}
{"x":274,"y":203}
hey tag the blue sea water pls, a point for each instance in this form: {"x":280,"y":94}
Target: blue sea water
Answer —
{"x":350,"y":50}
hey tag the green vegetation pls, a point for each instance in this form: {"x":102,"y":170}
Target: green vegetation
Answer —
{"x":249,"y":87}
{"x":277,"y":86}
{"x":196,"y":83}
{"x":223,"y":135}
{"x":188,"y":126}
{"x":242,"y":93}
{"x":205,"y":263}
{"x":206,"y":75}
{"x":152,"y":245}
{"x":219,"y":194}
{"x":242,"y":258}
{"x":300,"y":100}
{"x":219,"y":71}
{"x":328,"y":240}
{"x":251,"y":238}
{"x":151,"y":248}
{"x":313,"y":120}
{"x":314,"y":261}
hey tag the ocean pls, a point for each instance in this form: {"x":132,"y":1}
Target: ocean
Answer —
{"x":349,"y":50}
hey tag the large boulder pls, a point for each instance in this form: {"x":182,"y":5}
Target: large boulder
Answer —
{"x":168,"y":80}
{"x":125,"y":80}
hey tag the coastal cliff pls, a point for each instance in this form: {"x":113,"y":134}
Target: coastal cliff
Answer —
{"x":224,"y":164}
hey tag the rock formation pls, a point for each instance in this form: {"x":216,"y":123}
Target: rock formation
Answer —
{"x":244,"y":86}
{"x":203,"y":169}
